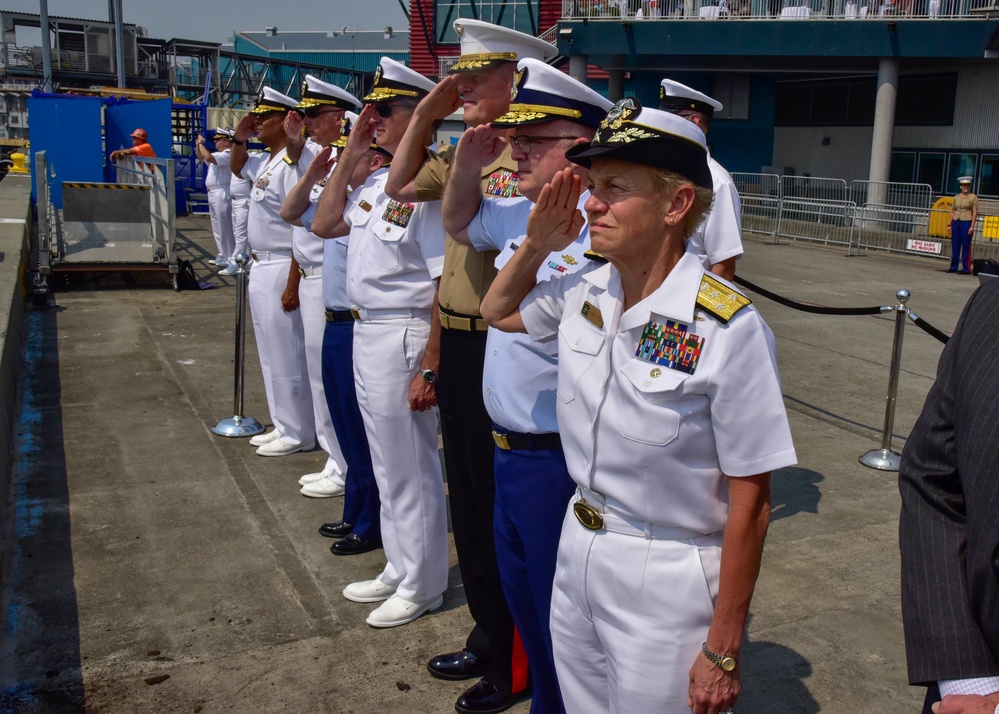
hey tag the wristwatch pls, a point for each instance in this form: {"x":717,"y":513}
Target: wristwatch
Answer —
{"x":429,"y":375}
{"x":237,"y":142}
{"x":725,"y":663}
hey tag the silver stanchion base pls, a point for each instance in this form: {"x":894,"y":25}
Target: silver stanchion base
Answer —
{"x":881,"y":459}
{"x":238,"y":426}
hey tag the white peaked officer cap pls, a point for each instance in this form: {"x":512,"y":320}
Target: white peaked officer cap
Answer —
{"x":965,"y":179}
{"x":394,"y":80}
{"x":271,"y":100}
{"x":317,"y":93}
{"x":651,"y":137}
{"x":484,"y":44}
{"x":542,"y":93}
{"x":675,"y":97}
{"x":223,"y":133}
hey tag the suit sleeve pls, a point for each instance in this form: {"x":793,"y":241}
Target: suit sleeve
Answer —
{"x":943,"y":637}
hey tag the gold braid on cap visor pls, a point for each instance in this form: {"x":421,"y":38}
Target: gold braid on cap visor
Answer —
{"x":379,"y":94}
{"x":478,"y":61}
{"x":524,"y":112}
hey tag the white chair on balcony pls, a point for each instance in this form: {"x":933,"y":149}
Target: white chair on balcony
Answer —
{"x":709,"y":12}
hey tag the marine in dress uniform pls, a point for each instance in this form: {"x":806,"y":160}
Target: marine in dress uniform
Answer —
{"x":217,"y":182}
{"x":395,"y":255}
{"x":480,"y":82}
{"x":670,"y":410}
{"x":550,"y":112}
{"x":273,"y":290}
{"x":962,"y":227}
{"x":718,"y":239}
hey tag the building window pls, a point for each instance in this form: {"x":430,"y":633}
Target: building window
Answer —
{"x":903,"y":166}
{"x":960,"y":165}
{"x":931,"y":171}
{"x":520,"y":15}
{"x":988,"y":182}
{"x":923,"y":100}
{"x":732,"y":90}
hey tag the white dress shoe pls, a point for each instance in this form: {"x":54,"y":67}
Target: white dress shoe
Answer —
{"x":331,"y":470}
{"x":280,"y":447}
{"x":326,"y":487}
{"x":399,"y":611}
{"x":368,"y":591}
{"x":261,"y":439}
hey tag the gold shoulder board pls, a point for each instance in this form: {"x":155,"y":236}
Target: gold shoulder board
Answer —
{"x":718,"y":299}
{"x":287,"y":160}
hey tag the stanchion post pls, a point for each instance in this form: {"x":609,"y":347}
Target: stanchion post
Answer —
{"x":884,"y":459}
{"x":239,"y":425}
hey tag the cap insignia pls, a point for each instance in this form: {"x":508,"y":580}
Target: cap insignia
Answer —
{"x":460,"y":30}
{"x":518,"y":82}
{"x":378,"y":74}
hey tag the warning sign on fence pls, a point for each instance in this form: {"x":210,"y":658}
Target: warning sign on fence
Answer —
{"x":924,"y":246}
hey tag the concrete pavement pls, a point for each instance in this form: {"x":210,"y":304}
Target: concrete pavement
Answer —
{"x":146,"y":546}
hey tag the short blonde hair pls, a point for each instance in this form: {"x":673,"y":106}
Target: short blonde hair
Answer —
{"x":667,"y":181}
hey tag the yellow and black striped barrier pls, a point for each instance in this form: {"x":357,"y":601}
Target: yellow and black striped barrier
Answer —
{"x":125,"y":186}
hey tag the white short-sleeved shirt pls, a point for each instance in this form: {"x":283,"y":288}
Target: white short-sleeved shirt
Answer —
{"x":271,"y":178}
{"x":219,"y":174}
{"x":719,"y":235}
{"x":239,"y":187}
{"x":659,"y":436}
{"x":334,"y":255}
{"x":394,"y":250}
{"x":520,"y":375}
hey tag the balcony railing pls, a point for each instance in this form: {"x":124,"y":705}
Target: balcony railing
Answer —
{"x":891,"y":10}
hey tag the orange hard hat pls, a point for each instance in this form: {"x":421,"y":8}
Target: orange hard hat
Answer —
{"x":140,"y":134}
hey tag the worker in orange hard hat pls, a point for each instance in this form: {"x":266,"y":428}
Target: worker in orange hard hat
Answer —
{"x":140,"y":147}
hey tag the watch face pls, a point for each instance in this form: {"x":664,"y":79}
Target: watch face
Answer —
{"x":727,"y":664}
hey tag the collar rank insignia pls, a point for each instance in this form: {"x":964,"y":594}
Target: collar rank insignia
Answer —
{"x":719,"y":300}
{"x":504,"y":184}
{"x":669,"y":344}
{"x":592,"y":313}
{"x":398,"y":214}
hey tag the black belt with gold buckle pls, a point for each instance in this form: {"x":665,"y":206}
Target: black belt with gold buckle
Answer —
{"x":587,"y":515}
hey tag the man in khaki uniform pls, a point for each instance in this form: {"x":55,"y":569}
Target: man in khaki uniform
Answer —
{"x":480,"y":83}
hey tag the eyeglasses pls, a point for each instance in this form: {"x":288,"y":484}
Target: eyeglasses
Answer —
{"x":316,"y":112}
{"x":386,"y":110}
{"x":523,"y":143}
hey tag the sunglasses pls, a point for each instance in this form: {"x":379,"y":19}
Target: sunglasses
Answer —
{"x":524,"y":143}
{"x":386,"y":110}
{"x":316,"y":112}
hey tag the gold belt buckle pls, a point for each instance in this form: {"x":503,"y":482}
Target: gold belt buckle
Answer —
{"x":587,"y":515}
{"x":355,"y":313}
{"x":301,"y":271}
{"x":501,"y":441}
{"x":254,"y":255}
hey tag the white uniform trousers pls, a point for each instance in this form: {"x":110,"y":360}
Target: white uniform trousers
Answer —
{"x":404,"y":455}
{"x":240,"y":215}
{"x":631,"y":606}
{"x":281,"y":348}
{"x":220,"y":211}
{"x":310,"y":297}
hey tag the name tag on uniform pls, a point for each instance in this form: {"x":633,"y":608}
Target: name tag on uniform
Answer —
{"x":592,"y":313}
{"x":504,"y":184}
{"x":669,"y":344}
{"x":364,"y":206}
{"x":398,"y":214}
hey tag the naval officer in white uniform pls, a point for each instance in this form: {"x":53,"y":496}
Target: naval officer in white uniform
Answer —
{"x":671,"y":416}
{"x":550,"y":112}
{"x":718,"y":239}
{"x":217,"y":182}
{"x":395,"y":256}
{"x":273,"y":291}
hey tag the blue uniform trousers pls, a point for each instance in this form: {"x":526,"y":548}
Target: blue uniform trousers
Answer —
{"x":960,"y":246}
{"x":533,"y":489}
{"x":361,"y":506}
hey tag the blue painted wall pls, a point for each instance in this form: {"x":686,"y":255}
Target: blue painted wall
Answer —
{"x":68,"y":129}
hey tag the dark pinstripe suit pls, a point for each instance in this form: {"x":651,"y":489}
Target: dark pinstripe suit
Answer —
{"x":949,"y":528}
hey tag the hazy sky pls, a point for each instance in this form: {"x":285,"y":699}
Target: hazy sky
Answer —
{"x":216,"y":21}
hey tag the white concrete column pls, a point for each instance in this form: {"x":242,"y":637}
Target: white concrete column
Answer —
{"x":884,"y":119}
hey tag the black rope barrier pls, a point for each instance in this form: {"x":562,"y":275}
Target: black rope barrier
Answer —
{"x":928,"y":328}
{"x":817,"y":309}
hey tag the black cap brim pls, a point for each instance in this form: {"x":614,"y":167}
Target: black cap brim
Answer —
{"x":678,"y":155}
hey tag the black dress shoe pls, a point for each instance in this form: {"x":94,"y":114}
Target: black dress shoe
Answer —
{"x":335,"y":530}
{"x":352,"y":544}
{"x":457,"y":665}
{"x":484,"y":698}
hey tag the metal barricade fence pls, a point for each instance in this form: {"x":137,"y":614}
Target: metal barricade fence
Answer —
{"x":815,"y":209}
{"x":890,"y":215}
{"x":759,"y":196}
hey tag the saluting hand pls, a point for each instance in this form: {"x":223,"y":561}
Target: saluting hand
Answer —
{"x":362,"y":133}
{"x":556,"y":221}
{"x":320,"y":166}
{"x":480,"y":145}
{"x":293,"y":125}
{"x":444,"y":99}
